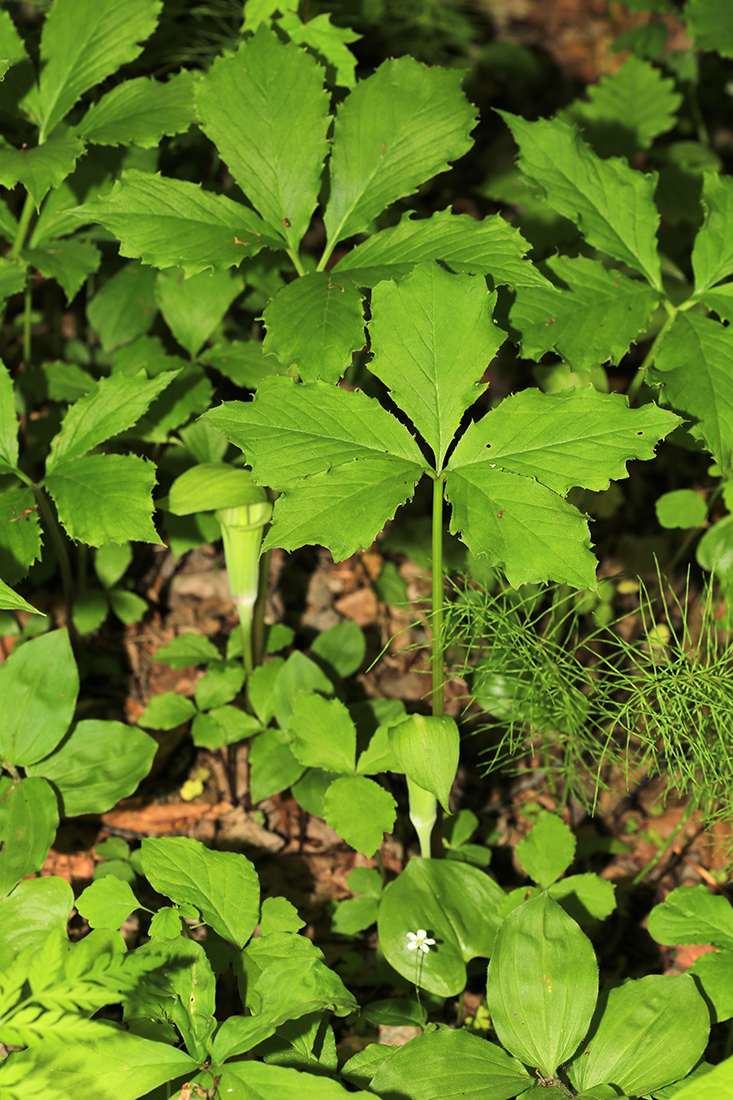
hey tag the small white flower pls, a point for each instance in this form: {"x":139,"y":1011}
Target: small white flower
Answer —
{"x":419,"y":941}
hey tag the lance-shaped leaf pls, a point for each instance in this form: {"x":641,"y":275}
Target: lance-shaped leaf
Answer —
{"x":266,"y":110}
{"x":433,"y":339}
{"x":42,"y":167}
{"x":490,"y":247}
{"x":712,"y":254}
{"x":84,"y":41}
{"x":20,"y":533}
{"x":398,"y":128}
{"x":612,"y":204}
{"x":29,"y":816}
{"x":113,"y":406}
{"x":317,"y":323}
{"x":592,"y":320}
{"x":140,"y":112}
{"x":8,"y":423}
{"x":11,"y":601}
{"x":194,"y":307}
{"x":68,"y":262}
{"x":174,"y":223}
{"x":105,"y":498}
{"x":694,"y":364}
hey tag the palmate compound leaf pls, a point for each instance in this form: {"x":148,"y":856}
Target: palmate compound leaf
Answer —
{"x":266,"y":110}
{"x":612,"y":204}
{"x":398,"y":128}
{"x":174,"y":223}
{"x":509,"y":473}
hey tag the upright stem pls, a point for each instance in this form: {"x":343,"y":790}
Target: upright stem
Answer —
{"x":23,"y":225}
{"x":258,"y":614}
{"x":54,"y":531}
{"x":436,"y":618}
{"x":27,"y":302}
{"x":640,"y":376}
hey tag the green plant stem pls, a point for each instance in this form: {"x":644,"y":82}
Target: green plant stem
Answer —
{"x":436,"y":618}
{"x":380,"y":865}
{"x":27,"y":302}
{"x":459,"y":1012}
{"x":258,"y":612}
{"x":640,"y":377}
{"x":51,"y":525}
{"x":297,"y":263}
{"x":686,"y":815}
{"x":23,"y":226}
{"x":728,"y":1042}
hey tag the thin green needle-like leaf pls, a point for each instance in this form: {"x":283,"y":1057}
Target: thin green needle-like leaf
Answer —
{"x":712,"y":255}
{"x":612,"y":204}
{"x":140,"y":112}
{"x":267,"y":112}
{"x":433,"y":338}
{"x":398,"y":128}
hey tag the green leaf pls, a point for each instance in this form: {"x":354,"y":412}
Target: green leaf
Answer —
{"x":611,"y":203}
{"x":363,"y":1066}
{"x":29,"y":818}
{"x":36,"y":908}
{"x":107,"y":1064}
{"x":174,"y":223}
{"x":124,"y":307}
{"x":586,"y":898}
{"x":166,"y":711}
{"x":326,"y":40}
{"x":651,"y":1032}
{"x":222,"y":885}
{"x":542,"y":985}
{"x":627,"y":109}
{"x":694,"y":364}
{"x":166,"y":923}
{"x":261,"y":1081}
{"x":111,"y":407}
{"x":266,"y":110}
{"x":20,"y":533}
{"x":83,"y":42}
{"x":427,"y":749}
{"x":712,"y":254}
{"x":220,"y":684}
{"x":547,"y":851}
{"x":8,"y":422}
{"x":322,"y":733}
{"x":715,"y":549}
{"x":38,"y":686}
{"x":709,"y":25}
{"x":691,"y":914}
{"x":681,"y":508}
{"x":714,"y":974}
{"x":12,"y":275}
{"x":11,"y":601}
{"x":341,"y":649}
{"x":457,"y":904}
{"x":262,"y":11}
{"x":105,"y":498}
{"x":720,"y":299}
{"x":107,"y":903}
{"x":273,"y":767}
{"x":279,"y":915}
{"x":315,"y":323}
{"x":213,"y":485}
{"x":96,"y":765}
{"x":128,"y":607}
{"x":354,"y":915}
{"x":717,"y":1084}
{"x":593,"y":319}
{"x":432,"y":339}
{"x":243,"y":362}
{"x":69,"y":262}
{"x":188,"y":394}
{"x":360,"y":811}
{"x":140,"y":112}
{"x":193,"y":308}
{"x":41,"y":167}
{"x":439,"y":1065}
{"x":398,"y":128}
{"x":187,"y":649}
{"x":491,"y":247}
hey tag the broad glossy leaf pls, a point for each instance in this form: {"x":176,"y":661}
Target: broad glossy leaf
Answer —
{"x":709,"y":25}
{"x":361,"y":812}
{"x":611,"y":203}
{"x":547,"y":851}
{"x":490,"y":247}
{"x":446,"y":1065}
{"x":38,"y":686}
{"x":290,"y":431}
{"x":108,"y":1064}
{"x":124,"y":307}
{"x":432,"y":339}
{"x":11,"y":601}
{"x":8,"y":422}
{"x":694,"y":364}
{"x":174,"y":223}
{"x":266,"y":110}
{"x":712,"y":254}
{"x":82,"y":43}
{"x":260,"y":1081}
{"x":427,"y":748}
{"x":193,"y":308}
{"x":29,"y":817}
{"x":651,"y":1032}
{"x":96,"y":765}
{"x":41,"y":167}
{"x":691,"y":914}
{"x":717,"y":1084}
{"x":105,"y":498}
{"x":315,"y":323}
{"x":213,"y":485}
{"x":398,"y":128}
{"x":542,"y":984}
{"x":456,"y":904}
{"x":222,"y":885}
{"x":714,"y":973}
{"x":69,"y":262}
{"x":592,"y":320}
{"x":36,"y":908}
{"x":20,"y":533}
{"x":107,"y":903}
{"x":111,"y":407}
{"x":140,"y":112}
{"x":322,"y":733}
